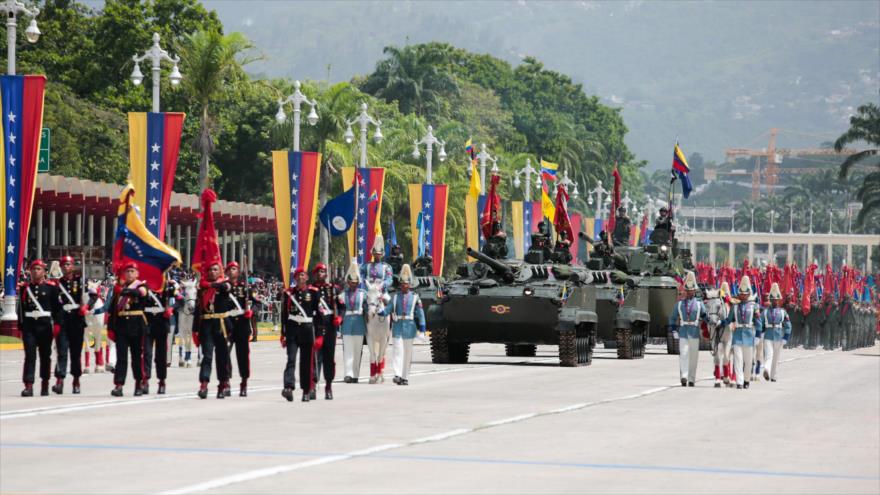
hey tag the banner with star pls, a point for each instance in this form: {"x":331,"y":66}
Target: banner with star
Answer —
{"x":473,"y":208}
{"x":21,"y":114}
{"x":369,"y":210}
{"x":295,"y":182}
{"x":154,"y":145}
{"x":431,"y":201}
{"x":526,"y":215}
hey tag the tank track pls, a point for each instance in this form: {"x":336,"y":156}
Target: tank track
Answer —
{"x":574,"y":350}
{"x":671,"y":342}
{"x":458,"y":352}
{"x":439,"y":346}
{"x":630,"y":345}
{"x":520,"y":350}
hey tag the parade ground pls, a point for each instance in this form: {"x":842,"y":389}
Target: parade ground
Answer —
{"x":495,"y":425}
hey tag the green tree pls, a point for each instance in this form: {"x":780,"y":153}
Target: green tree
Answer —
{"x":864,"y":127}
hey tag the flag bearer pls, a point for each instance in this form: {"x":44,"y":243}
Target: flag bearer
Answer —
{"x":746,"y":319}
{"x":298,"y":311}
{"x":689,"y":312}
{"x":326,"y":323}
{"x":210,"y":330}
{"x":241,"y":316}
{"x":777,"y":331}
{"x":69,"y":342}
{"x":407,"y":317}
{"x":354,"y":325}
{"x":40,"y":318}
{"x":127,"y":326}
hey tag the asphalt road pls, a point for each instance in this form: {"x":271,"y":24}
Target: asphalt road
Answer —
{"x":495,"y":425}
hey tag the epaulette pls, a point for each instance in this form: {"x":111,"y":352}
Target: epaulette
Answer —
{"x":51,"y":281}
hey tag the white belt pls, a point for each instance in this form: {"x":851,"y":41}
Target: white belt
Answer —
{"x":235,"y":312}
{"x":153,"y":310}
{"x":691,"y":323}
{"x":70,"y":307}
{"x":740,"y":325}
{"x":398,"y":318}
{"x":299,"y":319}
{"x":37,"y":314}
{"x":354,"y":313}
{"x":775,"y":326}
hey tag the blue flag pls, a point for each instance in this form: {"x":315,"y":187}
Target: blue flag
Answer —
{"x":337,"y":216}
{"x":392,"y":236}
{"x":420,"y":223}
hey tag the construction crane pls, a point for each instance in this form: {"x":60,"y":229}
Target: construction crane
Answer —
{"x":773,"y":156}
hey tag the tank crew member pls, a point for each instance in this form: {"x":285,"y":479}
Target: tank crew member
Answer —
{"x":377,"y":269}
{"x":664,"y":230}
{"x":69,"y":342}
{"x":127,"y":326}
{"x":777,"y":332}
{"x":746,"y":319}
{"x":40,"y":319}
{"x":241,"y":315}
{"x":158,"y":308}
{"x":395,"y":259}
{"x":327,"y":322}
{"x":210,"y":329}
{"x":299,"y":309}
{"x":562,"y":249}
{"x":689,"y":313}
{"x":407,"y":317}
{"x":496,"y":244}
{"x":423,"y":266}
{"x":354,"y":326}
{"x":541,"y":241}
{"x":621,"y":228}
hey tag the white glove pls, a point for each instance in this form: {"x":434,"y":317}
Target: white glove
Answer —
{"x":386,"y":298}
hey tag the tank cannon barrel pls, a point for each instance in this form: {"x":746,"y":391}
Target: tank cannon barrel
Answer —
{"x":498,"y":267}
{"x":585,"y":237}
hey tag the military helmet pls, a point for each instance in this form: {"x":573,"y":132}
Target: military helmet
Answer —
{"x":379,"y":245}
{"x":354,"y":273}
{"x":745,"y":285}
{"x":775,"y":293}
{"x":406,"y":275}
{"x":690,"y":281}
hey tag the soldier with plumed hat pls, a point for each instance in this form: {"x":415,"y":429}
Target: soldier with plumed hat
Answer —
{"x":689,"y":313}
{"x":407,"y":318}
{"x":776,"y":327}
{"x":40,"y":320}
{"x":354,"y":326}
{"x":745,"y":316}
{"x":378,"y":270}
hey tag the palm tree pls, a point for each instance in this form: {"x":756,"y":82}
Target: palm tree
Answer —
{"x":213,"y":65}
{"x":864,"y":127}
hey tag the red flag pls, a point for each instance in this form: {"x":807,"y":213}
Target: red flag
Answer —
{"x":492,"y":211}
{"x":615,"y":201}
{"x":809,"y":286}
{"x":828,"y":283}
{"x":562,"y":223}
{"x":207,"y":250}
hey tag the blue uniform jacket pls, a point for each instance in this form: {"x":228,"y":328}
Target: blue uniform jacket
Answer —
{"x":747,"y":317}
{"x":776,"y":324}
{"x":688,"y":314}
{"x":372,"y":271}
{"x":355,"y":302}
{"x":407,"y":315}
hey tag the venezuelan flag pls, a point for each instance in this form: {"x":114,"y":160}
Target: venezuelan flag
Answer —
{"x":369,"y":210}
{"x":430,"y":200}
{"x":548,"y":170}
{"x":295,"y":183}
{"x":134,"y":242}
{"x":526,"y":215}
{"x":21,"y":114}
{"x":681,"y":169}
{"x":154,"y":146}
{"x":473,"y":208}
{"x":576,"y":220}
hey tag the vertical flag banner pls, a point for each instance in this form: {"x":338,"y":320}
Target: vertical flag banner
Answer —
{"x":154,"y":146}
{"x":369,"y":210}
{"x":589,"y":227}
{"x":680,"y":169}
{"x":21,"y":114}
{"x":430,"y":201}
{"x":207,"y":250}
{"x":133,"y":242}
{"x":576,"y":226}
{"x":547,"y":208}
{"x":471,"y":223}
{"x":295,"y":182}
{"x":526,"y":215}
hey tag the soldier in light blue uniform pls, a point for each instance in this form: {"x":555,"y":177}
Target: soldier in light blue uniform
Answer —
{"x":777,"y":332}
{"x":354,"y":326}
{"x":689,"y":312}
{"x":407,"y":317}
{"x":378,"y":269}
{"x":746,"y":320}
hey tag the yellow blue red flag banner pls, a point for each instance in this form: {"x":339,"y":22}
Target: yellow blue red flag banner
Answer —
{"x":429,"y":200}
{"x":525,"y":215}
{"x":21,"y":114}
{"x":295,"y":177}
{"x":547,"y":207}
{"x":548,"y":170}
{"x":371,"y":183}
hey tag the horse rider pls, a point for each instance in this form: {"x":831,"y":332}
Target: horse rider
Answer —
{"x":689,"y":312}
{"x":354,"y":324}
{"x":241,"y":316}
{"x":127,"y":326}
{"x":777,"y":332}
{"x":159,"y":309}
{"x":745,"y":316}
{"x":378,"y":269}
{"x":407,"y":317}
{"x":326,"y":323}
{"x":298,"y":312}
{"x":69,"y":342}
{"x":210,"y":329}
{"x":40,"y":320}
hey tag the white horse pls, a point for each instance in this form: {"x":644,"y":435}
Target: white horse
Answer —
{"x":721,"y":338}
{"x":378,"y":330}
{"x":185,"y":323}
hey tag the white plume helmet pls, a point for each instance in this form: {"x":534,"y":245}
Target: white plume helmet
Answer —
{"x":724,"y":289}
{"x":55,"y":270}
{"x":354,"y":272}
{"x":406,"y":275}
{"x":745,"y":285}
{"x":690,"y":281}
{"x":378,"y":245}
{"x":775,"y":293}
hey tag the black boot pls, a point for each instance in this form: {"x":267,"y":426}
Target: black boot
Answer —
{"x":305,"y":397}
{"x":242,"y":389}
{"x":684,"y":382}
{"x":227,"y":390}
{"x":117,"y":391}
{"x":396,"y":380}
{"x":313,"y":393}
{"x":28,"y":390}
{"x":44,"y":388}
{"x":287,"y":393}
{"x":347,"y":379}
{"x":328,"y":392}
{"x":690,"y":384}
{"x":58,"y":388}
{"x":138,"y":390}
{"x":161,"y":389}
{"x":76,"y":387}
{"x":145,"y":386}
{"x":203,"y":390}
{"x":221,"y":391}
{"x":746,"y":385}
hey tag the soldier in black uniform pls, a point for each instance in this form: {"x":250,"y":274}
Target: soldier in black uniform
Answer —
{"x":127,"y":326}
{"x":159,"y":308}
{"x":496,"y":244}
{"x":211,"y":329}
{"x":69,"y":342}
{"x":39,"y":318}
{"x":622,"y":225}
{"x":241,"y":316}
{"x":394,"y":259}
{"x":298,"y":310}
{"x":562,"y":250}
{"x":326,"y":323}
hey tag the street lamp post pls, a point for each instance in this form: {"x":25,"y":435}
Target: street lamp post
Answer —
{"x":429,"y":141}
{"x":528,"y":170}
{"x":790,"y":220}
{"x":599,"y":191}
{"x":811,"y":219}
{"x":772,"y":216}
{"x":156,"y":55}
{"x":567,"y":183}
{"x":484,"y":155}
{"x":363,"y":120}
{"x":752,"y":229}
{"x":830,"y":219}
{"x":297,"y":98}
{"x":713,"y":216}
{"x":12,"y":9}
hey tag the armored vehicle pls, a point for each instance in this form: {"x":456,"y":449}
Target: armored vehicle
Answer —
{"x":518,"y":304}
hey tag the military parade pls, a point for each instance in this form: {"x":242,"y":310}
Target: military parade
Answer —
{"x":435,"y":318}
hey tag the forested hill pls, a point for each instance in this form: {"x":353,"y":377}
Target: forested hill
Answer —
{"x":713,"y":74}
